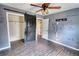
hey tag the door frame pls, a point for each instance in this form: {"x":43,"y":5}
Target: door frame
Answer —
{"x":37,"y":28}
{"x":13,"y":13}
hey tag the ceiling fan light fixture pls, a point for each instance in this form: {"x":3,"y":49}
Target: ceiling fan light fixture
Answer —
{"x":44,"y":12}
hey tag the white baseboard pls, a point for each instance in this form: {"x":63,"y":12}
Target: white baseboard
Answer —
{"x":4,"y":48}
{"x":63,"y":44}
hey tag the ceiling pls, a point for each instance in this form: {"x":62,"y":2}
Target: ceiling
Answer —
{"x":28,"y":7}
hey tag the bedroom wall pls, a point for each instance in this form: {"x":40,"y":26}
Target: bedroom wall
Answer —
{"x":4,"y":39}
{"x":65,"y":32}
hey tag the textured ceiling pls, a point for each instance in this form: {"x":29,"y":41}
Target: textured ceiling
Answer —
{"x":28,"y":7}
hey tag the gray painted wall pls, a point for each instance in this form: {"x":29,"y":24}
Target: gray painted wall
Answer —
{"x":66,"y":32}
{"x":3,"y":30}
{"x":4,"y":40}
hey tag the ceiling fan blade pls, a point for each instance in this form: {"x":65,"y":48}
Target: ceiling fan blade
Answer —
{"x":35,"y":5}
{"x":54,"y":7}
{"x":39,"y":10}
{"x":46,"y":4}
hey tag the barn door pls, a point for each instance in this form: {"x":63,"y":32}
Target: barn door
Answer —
{"x":30,"y":32}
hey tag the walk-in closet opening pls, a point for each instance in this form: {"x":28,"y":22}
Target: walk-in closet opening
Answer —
{"x":16,"y":26}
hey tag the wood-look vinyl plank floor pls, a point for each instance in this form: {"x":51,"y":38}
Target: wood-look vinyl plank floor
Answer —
{"x":40,"y":48}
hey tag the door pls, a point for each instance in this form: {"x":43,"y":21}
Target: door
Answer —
{"x":45,"y":23}
{"x":30,"y":31}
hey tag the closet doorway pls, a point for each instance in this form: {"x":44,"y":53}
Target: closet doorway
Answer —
{"x":39,"y":27}
{"x":16,"y":26}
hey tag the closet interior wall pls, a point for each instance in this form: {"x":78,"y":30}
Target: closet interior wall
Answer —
{"x":16,"y":27}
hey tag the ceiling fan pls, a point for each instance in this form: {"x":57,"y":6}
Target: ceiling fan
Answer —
{"x":44,"y":7}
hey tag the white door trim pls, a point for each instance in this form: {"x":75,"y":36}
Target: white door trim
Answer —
{"x":13,"y":13}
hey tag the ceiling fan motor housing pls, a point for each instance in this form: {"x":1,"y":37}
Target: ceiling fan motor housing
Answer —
{"x":44,"y":6}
